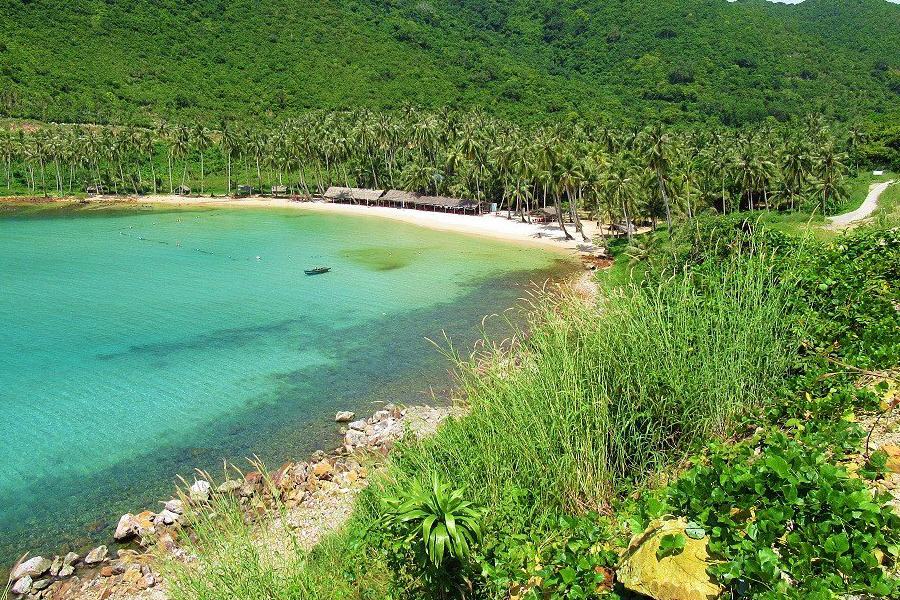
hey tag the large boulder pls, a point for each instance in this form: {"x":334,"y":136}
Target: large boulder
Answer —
{"x":344,"y":416}
{"x":681,"y":576}
{"x":33,"y":567}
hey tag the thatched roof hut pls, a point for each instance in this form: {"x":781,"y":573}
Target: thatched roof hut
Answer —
{"x":544,"y":214}
{"x":413,"y":200}
{"x":345,"y":194}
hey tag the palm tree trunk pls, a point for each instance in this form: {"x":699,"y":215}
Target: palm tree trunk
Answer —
{"x":559,"y":216}
{"x":665,"y":196}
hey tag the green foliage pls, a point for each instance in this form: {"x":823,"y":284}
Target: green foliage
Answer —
{"x":671,"y":544}
{"x":684,"y":60}
{"x":786,"y":521}
{"x":569,"y":559}
{"x":851,"y":290}
{"x":429,"y":536}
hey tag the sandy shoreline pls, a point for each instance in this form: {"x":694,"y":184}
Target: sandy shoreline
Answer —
{"x":547,"y":235}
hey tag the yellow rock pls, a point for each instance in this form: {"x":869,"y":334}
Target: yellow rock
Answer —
{"x":322,"y":469}
{"x":679,"y":577}
{"x":893,"y":457}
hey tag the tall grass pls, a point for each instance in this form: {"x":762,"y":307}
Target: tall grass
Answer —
{"x":590,"y":401}
{"x":232,"y":555}
{"x":606,"y":397}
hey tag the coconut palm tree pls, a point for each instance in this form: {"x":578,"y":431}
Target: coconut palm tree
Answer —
{"x":656,"y":154}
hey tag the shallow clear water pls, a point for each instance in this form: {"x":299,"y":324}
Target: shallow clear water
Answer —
{"x":136,"y":345}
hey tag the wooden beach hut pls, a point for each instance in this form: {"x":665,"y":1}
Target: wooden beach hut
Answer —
{"x":244,"y":190}
{"x":95,"y":190}
{"x":182,"y":190}
{"x":279,"y":191}
{"x":345,"y":195}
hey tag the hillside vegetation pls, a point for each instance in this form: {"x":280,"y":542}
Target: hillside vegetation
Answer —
{"x":678,"y":60}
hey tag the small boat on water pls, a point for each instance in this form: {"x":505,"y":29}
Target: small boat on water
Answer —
{"x":317,"y":270}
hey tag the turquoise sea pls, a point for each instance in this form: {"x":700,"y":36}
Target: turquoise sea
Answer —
{"x":140,"y":343}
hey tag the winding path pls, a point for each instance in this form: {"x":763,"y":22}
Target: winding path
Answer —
{"x":868,"y":207}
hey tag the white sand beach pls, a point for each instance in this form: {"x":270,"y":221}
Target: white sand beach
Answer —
{"x":497,"y":226}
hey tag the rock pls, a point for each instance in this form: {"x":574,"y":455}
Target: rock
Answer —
{"x":322,"y":470}
{"x":33,"y":567}
{"x":41,"y":583}
{"x":147,"y":581}
{"x":200,"y":490}
{"x":358,"y":425}
{"x":97,"y":555}
{"x":132,"y":574}
{"x":133,"y":525}
{"x":127,"y":527}
{"x":66,"y":570}
{"x":22,"y":585}
{"x":226,"y":487}
{"x":282,"y":477}
{"x":56,"y":566}
{"x":70,"y":558}
{"x":166,"y":543}
{"x":176,"y":506}
{"x":679,"y":577}
{"x":167,"y":517}
{"x":380,"y":415}
{"x":344,"y":416}
{"x":354,"y":437}
{"x":893,"y":457}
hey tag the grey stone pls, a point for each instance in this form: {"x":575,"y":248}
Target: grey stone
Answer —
{"x":97,"y":555}
{"x":34,"y":566}
{"x":200,"y":490}
{"x":66,"y":570}
{"x":22,"y":586}
{"x":344,"y":416}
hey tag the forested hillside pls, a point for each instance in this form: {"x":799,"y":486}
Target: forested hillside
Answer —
{"x":679,"y":60}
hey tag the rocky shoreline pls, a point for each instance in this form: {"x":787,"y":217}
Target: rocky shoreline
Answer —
{"x":316,"y":494}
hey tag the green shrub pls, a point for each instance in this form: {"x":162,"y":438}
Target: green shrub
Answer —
{"x":786,"y":521}
{"x":429,"y":536}
{"x":571,"y":560}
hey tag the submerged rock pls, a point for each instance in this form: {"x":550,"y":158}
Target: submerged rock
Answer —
{"x":344,"y":416}
{"x":34,"y":566}
{"x":681,"y":576}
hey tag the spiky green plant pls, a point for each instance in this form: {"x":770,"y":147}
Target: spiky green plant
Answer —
{"x":430,"y":534}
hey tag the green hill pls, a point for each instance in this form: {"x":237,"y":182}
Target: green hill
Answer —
{"x":111,"y":60}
